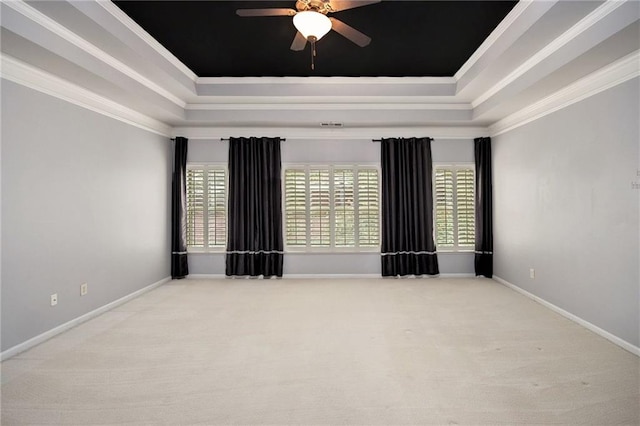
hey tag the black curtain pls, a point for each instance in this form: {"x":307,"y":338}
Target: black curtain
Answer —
{"x":407,"y":208}
{"x":179,"y":265}
{"x":484,"y":208}
{"x":254,"y":242}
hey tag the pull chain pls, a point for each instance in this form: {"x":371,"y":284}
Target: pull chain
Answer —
{"x":312,"y":40}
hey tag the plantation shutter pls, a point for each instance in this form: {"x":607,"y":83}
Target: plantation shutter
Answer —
{"x":332,"y":207}
{"x":344,"y":208}
{"x":368,"y":208}
{"x":465,"y":197}
{"x":206,"y":207}
{"x":295,"y":207}
{"x":217,"y":207}
{"x":196,"y":215}
{"x":319,"y":208}
{"x":444,"y":216}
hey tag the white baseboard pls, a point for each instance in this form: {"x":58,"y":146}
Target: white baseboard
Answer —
{"x":586,"y":324}
{"x":285,"y":277}
{"x":21,"y":347}
{"x":205,"y":276}
{"x":457,"y":276}
{"x":324,"y":276}
{"x":330,"y":276}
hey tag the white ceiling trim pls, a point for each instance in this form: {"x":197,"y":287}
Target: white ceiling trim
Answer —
{"x":583,"y":25}
{"x":69,"y":36}
{"x":351,"y":106}
{"x":319,"y":100}
{"x":344,"y":133}
{"x":495,"y":35}
{"x":319,"y":87}
{"x":117,"y":13}
{"x":18,"y":72}
{"x":356,"y":81}
{"x":612,"y":75}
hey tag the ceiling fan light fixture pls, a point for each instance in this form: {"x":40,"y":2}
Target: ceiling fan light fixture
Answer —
{"x":312,"y":24}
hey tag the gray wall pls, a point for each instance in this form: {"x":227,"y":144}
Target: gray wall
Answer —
{"x":565,"y":205}
{"x":85,"y":198}
{"x":357,"y":151}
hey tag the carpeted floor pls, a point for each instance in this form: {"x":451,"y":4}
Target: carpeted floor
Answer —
{"x":366,"y":352}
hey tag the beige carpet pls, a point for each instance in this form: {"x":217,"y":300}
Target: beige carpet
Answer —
{"x":374,"y":352}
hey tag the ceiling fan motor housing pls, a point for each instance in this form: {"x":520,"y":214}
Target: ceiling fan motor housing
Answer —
{"x":320,"y":6}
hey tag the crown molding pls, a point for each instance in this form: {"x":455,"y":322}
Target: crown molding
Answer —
{"x":344,"y":133}
{"x":612,"y":75}
{"x":117,"y":13}
{"x":319,"y":100}
{"x":326,"y":86}
{"x":324,"y":80}
{"x":320,"y":106}
{"x":572,"y":33}
{"x":18,"y":72}
{"x":54,"y":27}
{"x":495,"y":35}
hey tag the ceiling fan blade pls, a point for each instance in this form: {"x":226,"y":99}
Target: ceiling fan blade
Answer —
{"x":299,"y":42}
{"x":265,"y":12}
{"x":350,"y":33}
{"x":338,"y":5}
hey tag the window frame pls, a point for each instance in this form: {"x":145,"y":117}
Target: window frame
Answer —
{"x":332,"y":248}
{"x":454,"y":167}
{"x":211,"y":166}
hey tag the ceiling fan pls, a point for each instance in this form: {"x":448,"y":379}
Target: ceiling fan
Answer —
{"x":311,"y":20}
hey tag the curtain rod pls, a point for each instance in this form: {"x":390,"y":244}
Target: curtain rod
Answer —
{"x":380,"y":140}
{"x":226,"y":139}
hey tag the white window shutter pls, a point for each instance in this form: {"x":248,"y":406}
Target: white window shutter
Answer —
{"x":206,"y":207}
{"x":444,"y":216}
{"x":465,"y":207}
{"x":329,"y":207}
{"x":368,"y":208}
{"x":195,"y":208}
{"x":295,"y":206}
{"x":455,"y":207}
{"x":344,"y":207}
{"x":319,"y":208}
{"x":217,"y":207}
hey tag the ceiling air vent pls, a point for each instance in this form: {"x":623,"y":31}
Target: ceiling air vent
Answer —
{"x":331,"y":124}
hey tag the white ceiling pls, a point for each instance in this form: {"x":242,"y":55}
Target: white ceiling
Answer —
{"x":94,"y":52}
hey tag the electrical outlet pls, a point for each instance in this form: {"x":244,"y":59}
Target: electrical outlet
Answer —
{"x":83,"y":289}
{"x":54,"y":299}
{"x":532,"y":273}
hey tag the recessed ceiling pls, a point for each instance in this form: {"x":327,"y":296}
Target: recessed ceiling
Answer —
{"x":541,"y":54}
{"x":409,"y":38}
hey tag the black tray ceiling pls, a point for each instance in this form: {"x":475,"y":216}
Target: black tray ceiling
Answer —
{"x":409,"y":38}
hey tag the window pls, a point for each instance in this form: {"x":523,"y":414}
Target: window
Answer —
{"x":332,"y":207}
{"x":455,"y":207}
{"x":206,"y":207}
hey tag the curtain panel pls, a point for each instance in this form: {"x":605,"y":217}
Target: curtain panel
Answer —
{"x":484,"y":208}
{"x":179,"y":265}
{"x":254,"y":241}
{"x":408,"y":247}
